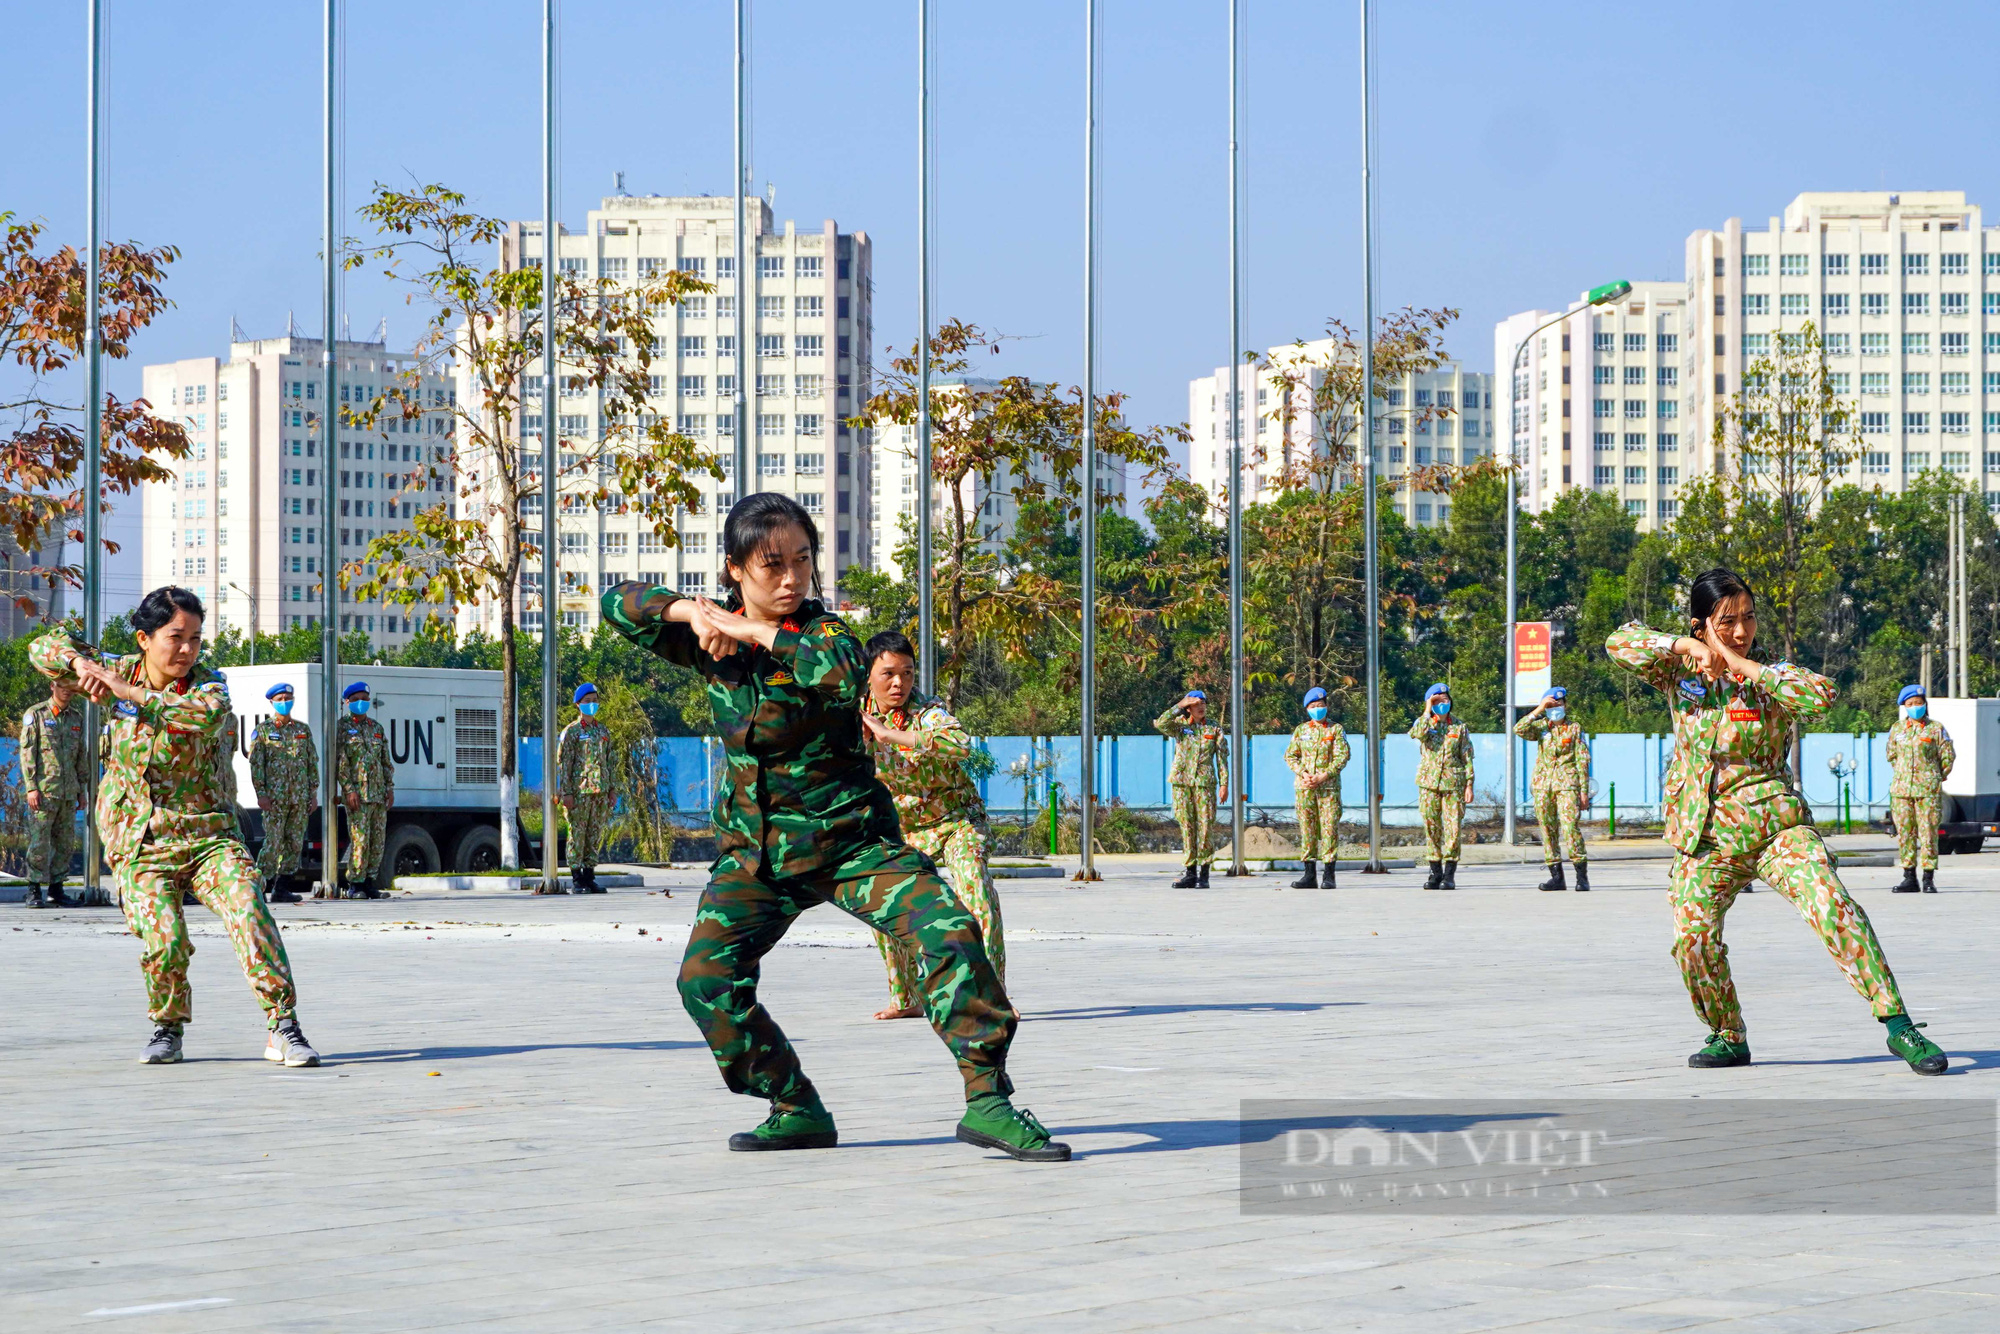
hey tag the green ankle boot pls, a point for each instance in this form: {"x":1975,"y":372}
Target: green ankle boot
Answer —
{"x":1925,"y":1057}
{"x":995,"y":1123}
{"x":789,"y":1128}
{"x":1719,"y":1052}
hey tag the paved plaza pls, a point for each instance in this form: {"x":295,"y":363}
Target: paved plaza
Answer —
{"x":517,"y":1128}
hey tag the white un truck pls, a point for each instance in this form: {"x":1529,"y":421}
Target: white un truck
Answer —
{"x":1972,"y":789}
{"x":443,"y":727}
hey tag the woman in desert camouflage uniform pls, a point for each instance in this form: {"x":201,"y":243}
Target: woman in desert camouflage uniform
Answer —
{"x":1733,"y":813}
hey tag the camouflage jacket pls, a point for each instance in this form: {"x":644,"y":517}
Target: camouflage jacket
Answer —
{"x":160,"y":782}
{"x":1920,"y":755}
{"x":799,"y":792}
{"x":583,"y":759}
{"x":1444,"y":752}
{"x":1316,"y":755}
{"x":361,"y":760}
{"x":284,"y":762}
{"x":225,"y":757}
{"x":1562,"y":756}
{"x":1730,"y":783}
{"x":927,"y":780}
{"x":52,"y":751}
{"x":1201,"y":750}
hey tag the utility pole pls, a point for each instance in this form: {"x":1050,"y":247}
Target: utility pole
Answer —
{"x":93,"y":439}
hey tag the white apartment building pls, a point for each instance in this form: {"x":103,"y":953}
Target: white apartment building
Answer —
{"x":994,"y":505}
{"x":239,"y":521}
{"x":804,"y":346}
{"x":1461,"y":432}
{"x":1905,"y":290}
{"x":1597,"y":402}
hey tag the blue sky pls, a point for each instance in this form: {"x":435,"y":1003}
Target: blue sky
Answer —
{"x":1526,"y":151}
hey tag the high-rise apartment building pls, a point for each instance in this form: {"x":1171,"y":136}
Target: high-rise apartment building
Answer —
{"x":1598,"y":401}
{"x":239,"y":521}
{"x":803,"y":348}
{"x":994,"y":505}
{"x":1443,"y":415}
{"x":1905,"y":290}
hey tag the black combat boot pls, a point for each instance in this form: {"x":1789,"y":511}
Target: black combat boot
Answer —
{"x":1307,"y":878}
{"x":34,"y":898}
{"x":1582,"y":878}
{"x":282,"y":891}
{"x":1908,"y":884}
{"x":1189,"y":880}
{"x":1555,"y":880}
{"x":1450,"y":876}
{"x":1930,"y":882}
{"x":1436,"y":876}
{"x":56,"y":897}
{"x":1202,"y":871}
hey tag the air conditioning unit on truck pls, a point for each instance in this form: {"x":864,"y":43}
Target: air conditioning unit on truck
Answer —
{"x":443,"y":727}
{"x":1972,"y":789}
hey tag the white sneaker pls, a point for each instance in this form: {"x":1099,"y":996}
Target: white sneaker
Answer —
{"x":287,"y":1044}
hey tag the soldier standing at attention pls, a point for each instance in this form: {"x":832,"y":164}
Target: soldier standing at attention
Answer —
{"x":1199,"y":781}
{"x":1920,"y":755}
{"x":583,"y":767}
{"x":800,"y":820}
{"x":284,"y":770}
{"x":52,"y":777}
{"x":367,"y":786}
{"x":1444,"y":783}
{"x":1316,"y":755}
{"x":1734,"y":813}
{"x":920,"y":752}
{"x":166,"y":826}
{"x":1561,"y":785}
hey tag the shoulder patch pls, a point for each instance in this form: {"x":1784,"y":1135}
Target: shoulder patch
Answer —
{"x":1692,"y":689}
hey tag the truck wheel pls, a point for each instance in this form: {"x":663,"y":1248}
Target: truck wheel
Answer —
{"x":477,"y":851}
{"x":410,"y":850}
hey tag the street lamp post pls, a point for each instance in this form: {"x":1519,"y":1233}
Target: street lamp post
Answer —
{"x":253,"y":620}
{"x":1597,"y":296}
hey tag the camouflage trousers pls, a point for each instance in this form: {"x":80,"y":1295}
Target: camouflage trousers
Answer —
{"x":1556,"y":810}
{"x":284,"y":838}
{"x":218,"y":872}
{"x":1917,"y":829}
{"x":51,"y":840}
{"x":366,"y":828}
{"x":1194,"y":812}
{"x":958,"y":847}
{"x":1443,"y":812}
{"x":1796,"y":864}
{"x":1319,"y":822}
{"x":889,"y":886}
{"x":587,"y":819}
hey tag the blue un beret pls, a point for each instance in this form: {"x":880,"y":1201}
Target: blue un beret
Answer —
{"x":358,"y":688}
{"x":1909,"y":693}
{"x":1437,"y":688}
{"x":1197,"y":694}
{"x":1316,"y":693}
{"x":283,"y":687}
{"x":1558,"y":693}
{"x":585,"y":689}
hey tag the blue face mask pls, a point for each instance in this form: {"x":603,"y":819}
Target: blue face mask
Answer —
{"x":283,"y":706}
{"x":1440,"y":707}
{"x":357,"y":707}
{"x":1916,"y":711}
{"x":1317,"y":713}
{"x":1557,"y":713}
{"x":589,"y":708}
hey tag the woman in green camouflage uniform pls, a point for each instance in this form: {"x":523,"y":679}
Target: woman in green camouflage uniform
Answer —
{"x":1920,"y":757}
{"x":1444,"y":783}
{"x":920,"y":753}
{"x":801,"y":820}
{"x":1561,"y":786}
{"x":1733,"y":813}
{"x":167,"y":823}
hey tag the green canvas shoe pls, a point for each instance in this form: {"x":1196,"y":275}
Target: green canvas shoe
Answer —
{"x":1719,"y":1052}
{"x":1013,"y":1131}
{"x":1925,"y":1057}
{"x":788,"y":1128}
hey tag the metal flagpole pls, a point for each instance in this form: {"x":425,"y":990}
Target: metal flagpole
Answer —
{"x":926,"y":630}
{"x":93,"y":440}
{"x":1507,"y":737}
{"x":551,"y":371}
{"x":1238,"y":779}
{"x":1951,"y":598}
{"x":1087,"y":738}
{"x":1375,"y":866}
{"x":329,"y":640}
{"x":746,"y":255}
